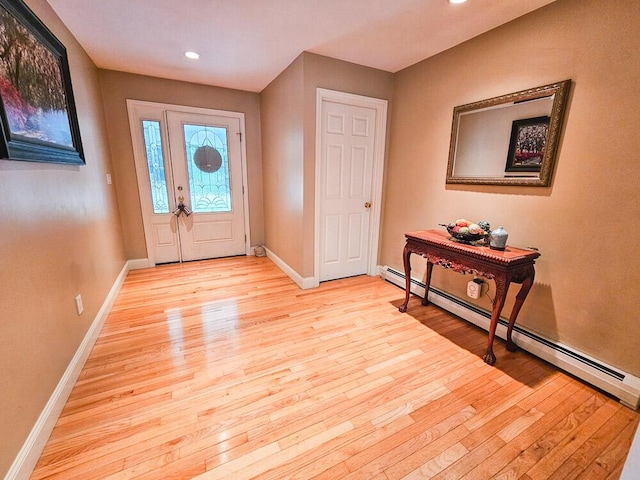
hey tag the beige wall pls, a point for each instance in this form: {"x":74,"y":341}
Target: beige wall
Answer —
{"x":586,"y":291}
{"x":289,"y":136}
{"x":60,"y":236}
{"x":282,"y":164}
{"x":117,"y":87}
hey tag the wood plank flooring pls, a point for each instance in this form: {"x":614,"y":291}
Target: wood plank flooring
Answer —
{"x":225,"y":369}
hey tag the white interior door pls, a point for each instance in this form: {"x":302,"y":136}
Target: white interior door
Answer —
{"x":346,"y":177}
{"x":190,"y":174}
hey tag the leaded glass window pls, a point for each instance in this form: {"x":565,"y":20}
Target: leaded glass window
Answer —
{"x":155,"y":165}
{"x":208,"y":166}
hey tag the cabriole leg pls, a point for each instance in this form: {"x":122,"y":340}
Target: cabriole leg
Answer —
{"x":406,"y":257}
{"x":498,"y":303}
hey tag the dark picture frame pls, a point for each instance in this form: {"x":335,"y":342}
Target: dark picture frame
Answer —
{"x":527,"y":144}
{"x":37,"y":109}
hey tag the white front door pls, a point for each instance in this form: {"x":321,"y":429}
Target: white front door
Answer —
{"x":190,"y":175}
{"x":347,"y":153}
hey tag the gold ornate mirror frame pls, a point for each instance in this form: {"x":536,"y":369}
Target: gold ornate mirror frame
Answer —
{"x":494,"y":145}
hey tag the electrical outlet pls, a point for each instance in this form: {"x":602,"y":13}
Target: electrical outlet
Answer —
{"x":109,"y":181}
{"x":79,"y":306}
{"x":474,"y":289}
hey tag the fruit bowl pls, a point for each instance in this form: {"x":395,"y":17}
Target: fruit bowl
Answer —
{"x":466,"y":237}
{"x":464,"y":231}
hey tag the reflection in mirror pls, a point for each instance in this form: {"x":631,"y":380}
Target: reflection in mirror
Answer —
{"x":508,"y":140}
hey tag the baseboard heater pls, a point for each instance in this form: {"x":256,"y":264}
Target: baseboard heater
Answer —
{"x":621,"y":385}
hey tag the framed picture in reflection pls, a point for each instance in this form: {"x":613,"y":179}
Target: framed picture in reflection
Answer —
{"x":526,"y":147}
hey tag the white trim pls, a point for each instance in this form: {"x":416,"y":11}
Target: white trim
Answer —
{"x":245,"y":187}
{"x":622,"y":385}
{"x":631,"y":469}
{"x":28,"y":456}
{"x":138,"y":263}
{"x":141,"y":174}
{"x":303,"y":282}
{"x":380,"y":106}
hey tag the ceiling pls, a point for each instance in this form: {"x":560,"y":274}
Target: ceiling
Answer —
{"x":245,"y":44}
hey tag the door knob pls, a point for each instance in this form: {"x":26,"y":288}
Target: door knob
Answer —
{"x":367,"y":204}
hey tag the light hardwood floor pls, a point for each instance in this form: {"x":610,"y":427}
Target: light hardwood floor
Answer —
{"x":226,"y":369}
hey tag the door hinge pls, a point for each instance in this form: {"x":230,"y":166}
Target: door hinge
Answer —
{"x":240,"y":134}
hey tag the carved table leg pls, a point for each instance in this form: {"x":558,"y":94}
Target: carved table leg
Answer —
{"x":527,"y":282}
{"x":406,"y":257}
{"x":501,"y":294}
{"x":427,"y":282}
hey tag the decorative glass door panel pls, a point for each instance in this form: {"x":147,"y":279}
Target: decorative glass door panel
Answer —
{"x":208,"y":166}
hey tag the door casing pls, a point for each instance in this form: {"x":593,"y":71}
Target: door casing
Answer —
{"x":380,"y":106}
{"x":134,"y":108}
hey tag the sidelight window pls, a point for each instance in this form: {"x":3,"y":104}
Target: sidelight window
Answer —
{"x":155,"y":166}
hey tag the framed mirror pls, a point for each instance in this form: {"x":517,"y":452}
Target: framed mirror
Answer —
{"x":508,"y":140}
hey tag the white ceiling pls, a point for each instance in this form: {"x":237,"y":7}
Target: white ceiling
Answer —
{"x":245,"y":44}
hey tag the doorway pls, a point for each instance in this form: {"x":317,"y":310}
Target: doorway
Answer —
{"x":350,"y":144}
{"x":191,"y":171}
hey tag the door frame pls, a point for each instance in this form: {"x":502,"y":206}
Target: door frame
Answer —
{"x":141,"y":167}
{"x":380,"y":135}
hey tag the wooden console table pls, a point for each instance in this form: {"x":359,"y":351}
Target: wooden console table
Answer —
{"x":511,"y":265}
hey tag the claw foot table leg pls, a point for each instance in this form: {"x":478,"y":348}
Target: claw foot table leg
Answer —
{"x":489,"y":357}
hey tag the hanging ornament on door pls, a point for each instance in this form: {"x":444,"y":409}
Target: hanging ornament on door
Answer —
{"x":207,"y":159}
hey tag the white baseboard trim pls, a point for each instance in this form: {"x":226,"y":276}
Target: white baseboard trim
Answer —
{"x":621,"y":385}
{"x":303,"y":282}
{"x":31,"y":450}
{"x":138,"y":263}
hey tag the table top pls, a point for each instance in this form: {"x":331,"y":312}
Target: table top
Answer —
{"x":442,"y":240}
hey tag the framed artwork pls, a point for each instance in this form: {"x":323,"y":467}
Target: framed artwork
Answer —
{"x":526,"y":148}
{"x":37,"y":111}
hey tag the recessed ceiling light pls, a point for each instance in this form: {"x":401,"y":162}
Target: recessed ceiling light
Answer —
{"x":457,"y":1}
{"x":192,"y":55}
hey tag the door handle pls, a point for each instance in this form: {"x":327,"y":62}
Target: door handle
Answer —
{"x":367,"y":204}
{"x":180,"y":209}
